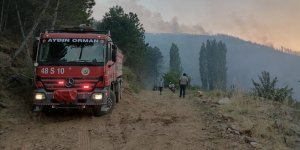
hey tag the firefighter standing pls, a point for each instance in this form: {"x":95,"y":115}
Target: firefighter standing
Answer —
{"x":183,"y":82}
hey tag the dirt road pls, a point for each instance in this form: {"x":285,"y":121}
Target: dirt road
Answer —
{"x":144,"y":121}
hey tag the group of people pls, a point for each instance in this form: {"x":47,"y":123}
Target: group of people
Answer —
{"x":183,"y":82}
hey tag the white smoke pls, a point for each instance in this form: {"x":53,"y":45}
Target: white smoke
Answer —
{"x":269,"y":22}
{"x":152,"y":21}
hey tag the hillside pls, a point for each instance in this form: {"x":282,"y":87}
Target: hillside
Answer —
{"x":245,"y":60}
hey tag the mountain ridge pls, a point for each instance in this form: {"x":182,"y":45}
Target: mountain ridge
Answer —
{"x":245,"y":60}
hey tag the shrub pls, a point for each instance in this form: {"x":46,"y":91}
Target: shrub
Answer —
{"x":172,"y":77}
{"x":132,"y":79}
{"x":267,"y":88}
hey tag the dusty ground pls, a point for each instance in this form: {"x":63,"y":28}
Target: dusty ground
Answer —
{"x":144,"y":121}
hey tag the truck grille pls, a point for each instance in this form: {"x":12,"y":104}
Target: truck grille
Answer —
{"x":52,"y":84}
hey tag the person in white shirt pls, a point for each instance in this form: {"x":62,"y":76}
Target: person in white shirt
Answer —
{"x":161,"y":85}
{"x":183,"y":82}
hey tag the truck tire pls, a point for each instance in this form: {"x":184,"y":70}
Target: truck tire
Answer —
{"x":118,"y":92}
{"x":111,"y":102}
{"x":97,"y":111}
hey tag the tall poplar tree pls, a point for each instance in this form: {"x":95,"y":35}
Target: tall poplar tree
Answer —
{"x":203,"y":66}
{"x":212,"y":60}
{"x":175,"y":62}
{"x":175,"y":68}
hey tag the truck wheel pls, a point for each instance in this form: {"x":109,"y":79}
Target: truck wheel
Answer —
{"x":97,"y":111}
{"x":118,"y":92}
{"x":110,"y":104}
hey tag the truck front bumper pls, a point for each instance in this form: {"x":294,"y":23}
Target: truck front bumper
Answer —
{"x":83,"y":99}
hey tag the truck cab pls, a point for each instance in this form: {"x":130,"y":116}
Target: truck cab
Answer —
{"x":77,"y":68}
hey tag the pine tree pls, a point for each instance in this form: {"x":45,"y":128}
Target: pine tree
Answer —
{"x":22,"y":19}
{"x":128,"y":33}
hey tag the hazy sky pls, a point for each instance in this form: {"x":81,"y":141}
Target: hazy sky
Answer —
{"x":271,"y":22}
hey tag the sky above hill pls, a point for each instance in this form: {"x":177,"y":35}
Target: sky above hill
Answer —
{"x":271,"y":22}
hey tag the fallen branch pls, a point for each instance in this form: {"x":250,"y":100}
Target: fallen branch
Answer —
{"x":55,"y":14}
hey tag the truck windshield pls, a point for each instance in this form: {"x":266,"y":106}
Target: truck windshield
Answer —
{"x":65,"y":51}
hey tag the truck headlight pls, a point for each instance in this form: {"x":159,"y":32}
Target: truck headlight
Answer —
{"x":39,"y":96}
{"x":97,"y":96}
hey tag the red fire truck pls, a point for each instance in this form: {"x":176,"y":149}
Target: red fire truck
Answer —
{"x":77,"y":67}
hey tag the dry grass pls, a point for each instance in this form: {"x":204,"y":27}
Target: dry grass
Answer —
{"x":273,"y":124}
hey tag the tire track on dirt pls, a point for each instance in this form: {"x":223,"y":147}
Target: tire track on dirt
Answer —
{"x":111,"y":134}
{"x":84,"y":140}
{"x":117,"y":130}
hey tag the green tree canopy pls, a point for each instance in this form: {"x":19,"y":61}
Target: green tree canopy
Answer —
{"x":128,"y":33}
{"x":69,"y":12}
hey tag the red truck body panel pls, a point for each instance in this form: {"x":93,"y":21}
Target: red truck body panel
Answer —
{"x":76,"y":82}
{"x":69,"y":71}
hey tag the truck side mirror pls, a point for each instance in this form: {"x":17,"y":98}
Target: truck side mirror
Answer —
{"x":114,"y":47}
{"x":35,"y":48}
{"x":114,"y":55}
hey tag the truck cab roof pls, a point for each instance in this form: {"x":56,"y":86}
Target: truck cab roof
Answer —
{"x":76,"y":35}
{"x":76,"y":32}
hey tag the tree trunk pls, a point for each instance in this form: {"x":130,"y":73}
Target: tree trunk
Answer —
{"x":22,"y":32}
{"x":20,"y":21}
{"x":6,"y":16}
{"x":32,"y":30}
{"x":1,"y":18}
{"x":55,"y":15}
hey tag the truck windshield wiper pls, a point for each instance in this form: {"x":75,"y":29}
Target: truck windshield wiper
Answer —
{"x":85,"y":62}
{"x":53,"y":62}
{"x":80,"y":61}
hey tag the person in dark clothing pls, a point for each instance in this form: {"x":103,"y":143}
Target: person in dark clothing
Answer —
{"x":161,"y":85}
{"x":183,"y":82}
